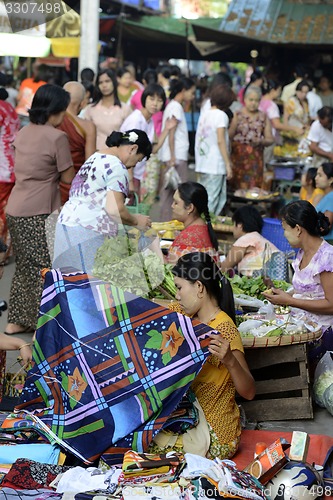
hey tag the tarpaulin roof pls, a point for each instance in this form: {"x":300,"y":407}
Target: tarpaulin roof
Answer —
{"x":161,"y":36}
{"x":156,"y":28}
{"x":280,"y":21}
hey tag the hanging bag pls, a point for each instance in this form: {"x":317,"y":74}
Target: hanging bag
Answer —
{"x":172,"y":179}
{"x":275,"y":264}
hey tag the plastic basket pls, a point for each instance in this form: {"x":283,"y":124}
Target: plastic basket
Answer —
{"x":138,"y":208}
{"x":284,"y":173}
{"x":273,"y":231}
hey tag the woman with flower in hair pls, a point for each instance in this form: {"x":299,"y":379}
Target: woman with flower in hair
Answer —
{"x":96,"y":202}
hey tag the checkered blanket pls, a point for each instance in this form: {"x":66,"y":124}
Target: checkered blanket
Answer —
{"x":109,"y":367}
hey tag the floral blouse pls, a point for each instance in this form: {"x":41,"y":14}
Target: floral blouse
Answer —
{"x":307,"y":285}
{"x":99,"y":174}
{"x":248,"y":128}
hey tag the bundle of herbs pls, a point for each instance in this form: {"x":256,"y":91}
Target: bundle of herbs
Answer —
{"x":127,"y":262}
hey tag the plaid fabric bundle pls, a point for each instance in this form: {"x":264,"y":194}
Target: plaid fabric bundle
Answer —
{"x":109,"y":367}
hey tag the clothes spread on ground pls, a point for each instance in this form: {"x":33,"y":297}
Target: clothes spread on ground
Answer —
{"x":109,"y":368}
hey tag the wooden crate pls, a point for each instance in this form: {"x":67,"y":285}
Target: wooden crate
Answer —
{"x":282,"y":384}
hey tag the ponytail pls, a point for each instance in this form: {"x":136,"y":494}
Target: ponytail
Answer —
{"x":211,"y":232}
{"x":195,"y":193}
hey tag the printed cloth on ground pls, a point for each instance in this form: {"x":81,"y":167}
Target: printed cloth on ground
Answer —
{"x":109,"y":367}
{"x":28,"y":474}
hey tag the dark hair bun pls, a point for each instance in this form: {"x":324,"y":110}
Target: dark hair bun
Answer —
{"x":114,"y":139}
{"x":323,"y":224}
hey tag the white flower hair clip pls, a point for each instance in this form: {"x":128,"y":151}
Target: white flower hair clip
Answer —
{"x":133,"y":137}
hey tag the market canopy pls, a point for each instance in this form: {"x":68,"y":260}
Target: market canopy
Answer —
{"x":24,"y":36}
{"x":13,"y":44}
{"x":165,"y":37}
{"x":280,"y":22}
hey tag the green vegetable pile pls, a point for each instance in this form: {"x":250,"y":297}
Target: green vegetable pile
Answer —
{"x":120,"y":262}
{"x":254,"y":286}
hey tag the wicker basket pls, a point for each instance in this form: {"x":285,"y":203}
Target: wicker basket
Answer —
{"x":138,"y":208}
{"x":297,"y":338}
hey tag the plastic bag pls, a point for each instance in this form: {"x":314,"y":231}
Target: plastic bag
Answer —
{"x":172,"y":179}
{"x":275,"y":264}
{"x":323,"y":381}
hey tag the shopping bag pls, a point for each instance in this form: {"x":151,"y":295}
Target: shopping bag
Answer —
{"x":275,"y":264}
{"x":171,"y":179}
{"x":323,"y":382}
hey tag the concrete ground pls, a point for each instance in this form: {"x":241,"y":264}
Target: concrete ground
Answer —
{"x":322,"y":423}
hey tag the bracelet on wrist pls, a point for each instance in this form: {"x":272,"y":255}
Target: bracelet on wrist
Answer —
{"x":24,"y":345}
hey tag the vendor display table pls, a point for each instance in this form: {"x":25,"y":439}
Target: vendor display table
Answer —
{"x":282,"y":383}
{"x":267,"y":207}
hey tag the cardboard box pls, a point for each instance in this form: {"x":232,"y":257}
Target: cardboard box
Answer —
{"x":269,"y":462}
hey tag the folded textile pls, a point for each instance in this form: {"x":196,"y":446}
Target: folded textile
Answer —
{"x":41,"y":452}
{"x":231,"y":481}
{"x":144,"y":464}
{"x":27,"y":474}
{"x":185,"y":416}
{"x":109,"y":367}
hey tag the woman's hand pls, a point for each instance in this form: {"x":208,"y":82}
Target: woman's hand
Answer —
{"x":25,"y":354}
{"x":278,"y":297}
{"x":220,"y":347}
{"x":171,"y":162}
{"x":229,"y":172}
{"x":143,"y":221}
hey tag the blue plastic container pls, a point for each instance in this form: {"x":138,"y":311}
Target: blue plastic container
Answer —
{"x":273,"y":231}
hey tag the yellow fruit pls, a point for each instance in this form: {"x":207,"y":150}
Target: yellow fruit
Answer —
{"x":169,"y":235}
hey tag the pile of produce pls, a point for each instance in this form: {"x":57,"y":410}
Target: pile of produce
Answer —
{"x":169,"y":229}
{"x":270,"y":321}
{"x":258,"y":325}
{"x":253,"y":287}
{"x":128,"y":263}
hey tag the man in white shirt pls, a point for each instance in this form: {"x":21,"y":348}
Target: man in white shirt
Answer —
{"x":290,"y":89}
{"x":321,"y":137}
{"x":314,"y":101}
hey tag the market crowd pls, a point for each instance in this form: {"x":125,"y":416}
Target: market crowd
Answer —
{"x":83,"y":150}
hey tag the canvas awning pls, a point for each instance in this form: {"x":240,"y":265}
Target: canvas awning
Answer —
{"x":284,"y":22}
{"x":25,"y":37}
{"x":155,"y":29}
{"x":12,"y":44}
{"x":161,"y":36}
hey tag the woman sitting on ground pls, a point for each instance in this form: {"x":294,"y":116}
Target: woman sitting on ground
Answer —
{"x":247,"y":252}
{"x":204,"y":293}
{"x":190,"y":203}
